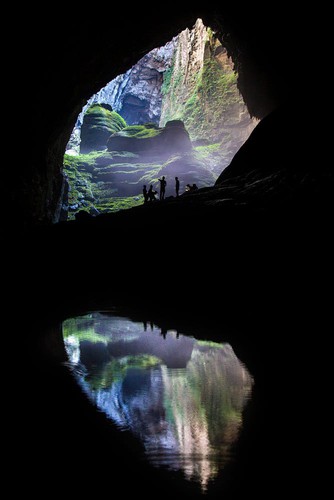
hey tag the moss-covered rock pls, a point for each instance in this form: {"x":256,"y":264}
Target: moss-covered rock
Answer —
{"x":149,"y":138}
{"x":99,"y":122}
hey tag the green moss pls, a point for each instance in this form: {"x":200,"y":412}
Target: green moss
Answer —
{"x":201,"y":100}
{"x":105,"y":118}
{"x":84,"y":160}
{"x":116,"y":203}
{"x":116,"y":370}
{"x":216,"y":91}
{"x":83,"y":329}
{"x":213,"y":156}
{"x":80,"y":195}
{"x":140,"y":131}
{"x":209,"y":343}
{"x":167,"y":78}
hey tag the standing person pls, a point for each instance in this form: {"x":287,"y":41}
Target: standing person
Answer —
{"x":145,"y":194}
{"x":177,"y":186}
{"x":163,"y":184}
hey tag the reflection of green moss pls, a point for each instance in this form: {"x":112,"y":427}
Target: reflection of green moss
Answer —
{"x":116,"y":370}
{"x":83,"y":329}
{"x":208,"y":343}
{"x":72,"y":326}
{"x":214,"y":390}
{"x":141,"y":361}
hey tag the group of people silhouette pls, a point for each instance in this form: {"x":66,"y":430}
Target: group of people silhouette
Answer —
{"x":163,"y":331}
{"x":150,"y":194}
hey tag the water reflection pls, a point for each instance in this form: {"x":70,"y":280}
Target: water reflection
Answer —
{"x":182,"y":397}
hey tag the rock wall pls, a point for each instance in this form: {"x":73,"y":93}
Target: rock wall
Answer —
{"x":200,"y":88}
{"x":136,"y":95}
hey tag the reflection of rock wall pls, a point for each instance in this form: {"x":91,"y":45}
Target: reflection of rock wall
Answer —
{"x":206,"y":405}
{"x":183,"y":398}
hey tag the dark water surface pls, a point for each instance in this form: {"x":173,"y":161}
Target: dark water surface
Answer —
{"x":182,"y":398}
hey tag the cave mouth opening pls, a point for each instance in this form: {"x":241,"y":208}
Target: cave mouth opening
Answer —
{"x":176,"y":113}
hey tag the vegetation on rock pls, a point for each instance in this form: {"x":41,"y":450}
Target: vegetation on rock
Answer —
{"x":140,"y":131}
{"x":202,"y":100}
{"x":98,"y":124}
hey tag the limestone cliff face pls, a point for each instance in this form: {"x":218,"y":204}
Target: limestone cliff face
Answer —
{"x":200,"y":88}
{"x":136,"y":95}
{"x":180,"y":80}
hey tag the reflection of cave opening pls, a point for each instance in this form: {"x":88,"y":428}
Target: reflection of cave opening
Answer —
{"x":183,"y":398}
{"x":177,"y":112}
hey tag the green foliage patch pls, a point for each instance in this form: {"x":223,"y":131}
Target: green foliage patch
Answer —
{"x":140,"y":131}
{"x":105,"y":119}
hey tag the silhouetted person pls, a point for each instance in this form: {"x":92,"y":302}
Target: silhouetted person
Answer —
{"x":177,"y":186}
{"x":151,"y":194}
{"x":163,"y":332}
{"x":145,"y":194}
{"x":191,"y":188}
{"x":145,"y":325}
{"x":151,"y":325}
{"x":163,"y":184}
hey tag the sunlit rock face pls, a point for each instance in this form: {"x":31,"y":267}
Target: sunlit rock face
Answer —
{"x":183,"y":398}
{"x":201,"y":89}
{"x":136,"y":95}
{"x":138,"y":98}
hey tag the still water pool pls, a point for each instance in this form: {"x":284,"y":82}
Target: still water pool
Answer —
{"x":182,"y":398}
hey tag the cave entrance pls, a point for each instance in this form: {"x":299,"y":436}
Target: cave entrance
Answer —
{"x":176,"y":113}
